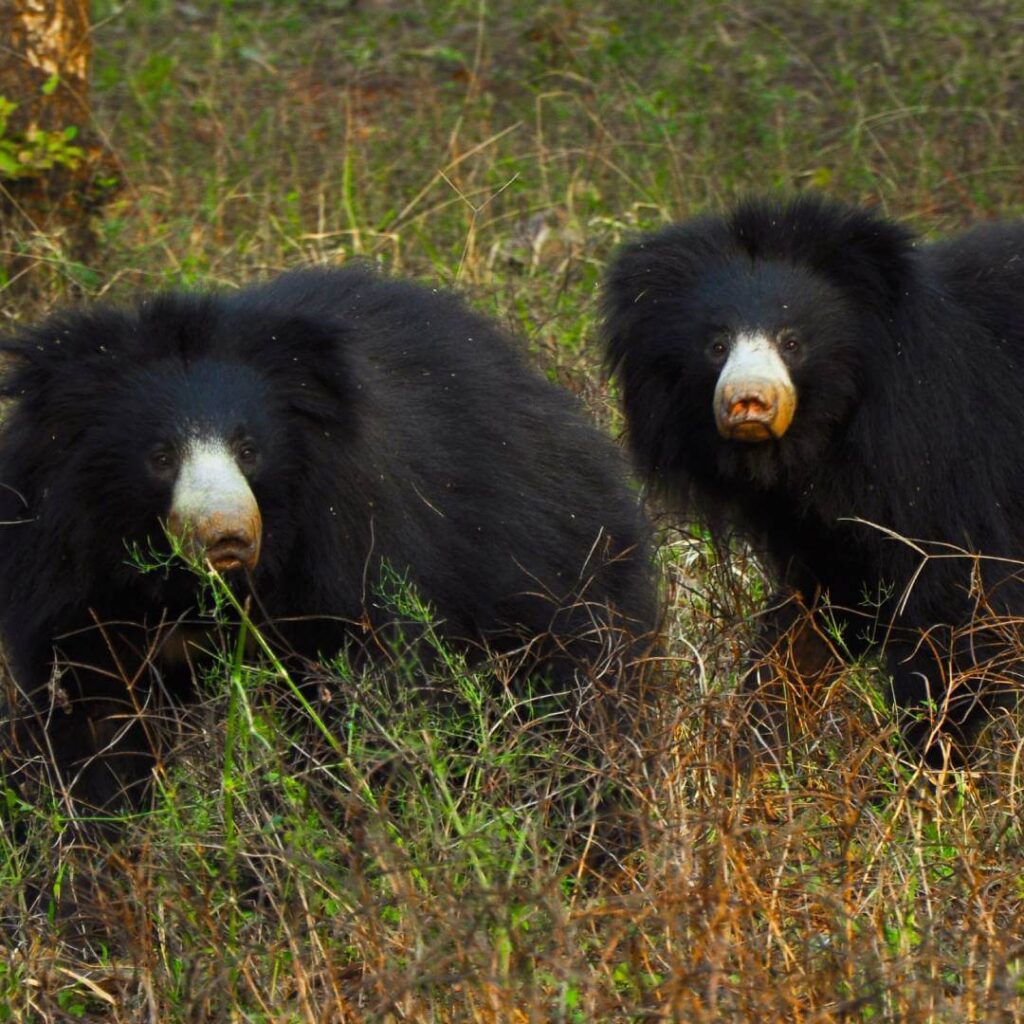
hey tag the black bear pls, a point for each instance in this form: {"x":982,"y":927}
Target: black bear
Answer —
{"x":809,"y":373}
{"x":305,"y":435}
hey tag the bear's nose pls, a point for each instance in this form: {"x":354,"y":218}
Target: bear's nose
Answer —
{"x":752,"y":410}
{"x":229,"y":543}
{"x":227,"y":539}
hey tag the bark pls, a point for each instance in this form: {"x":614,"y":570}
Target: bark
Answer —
{"x":45,"y":51}
{"x":46,"y":38}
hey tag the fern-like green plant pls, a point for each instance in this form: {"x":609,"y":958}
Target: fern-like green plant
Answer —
{"x":32,"y":153}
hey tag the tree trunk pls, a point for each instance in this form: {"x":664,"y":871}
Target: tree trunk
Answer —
{"x":49,"y":157}
{"x":48,"y":39}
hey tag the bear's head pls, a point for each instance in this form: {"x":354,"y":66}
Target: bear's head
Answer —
{"x":183,"y":415}
{"x":743,"y":344}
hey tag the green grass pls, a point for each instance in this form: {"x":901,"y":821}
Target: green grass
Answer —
{"x":421,"y":861}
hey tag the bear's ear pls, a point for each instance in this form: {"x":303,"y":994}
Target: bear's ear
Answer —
{"x":71,"y":355}
{"x":862,"y":253}
{"x":305,"y":359}
{"x":650,"y":273}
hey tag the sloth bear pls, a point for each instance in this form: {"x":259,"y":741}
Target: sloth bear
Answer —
{"x":808,"y":373}
{"x":307,"y":436}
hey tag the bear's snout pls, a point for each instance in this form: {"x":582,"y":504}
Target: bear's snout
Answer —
{"x":755,"y":399}
{"x":214,"y":513}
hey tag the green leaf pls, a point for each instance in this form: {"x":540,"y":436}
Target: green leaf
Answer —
{"x":9,"y":165}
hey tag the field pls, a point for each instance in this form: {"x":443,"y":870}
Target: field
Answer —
{"x":425,"y":866}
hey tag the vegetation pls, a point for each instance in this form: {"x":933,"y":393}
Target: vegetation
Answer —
{"x":423,"y":861}
{"x":37,"y":151}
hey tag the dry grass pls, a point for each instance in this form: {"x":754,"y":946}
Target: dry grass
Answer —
{"x":428,"y":866}
{"x":431,"y":865}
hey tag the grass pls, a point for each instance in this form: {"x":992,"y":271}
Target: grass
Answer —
{"x":425,"y":866}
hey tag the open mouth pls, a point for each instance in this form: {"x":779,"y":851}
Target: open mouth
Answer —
{"x":228,"y":557}
{"x":750,"y":430}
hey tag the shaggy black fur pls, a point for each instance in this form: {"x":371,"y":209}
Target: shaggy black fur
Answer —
{"x":908,"y":368}
{"x":389,"y":425}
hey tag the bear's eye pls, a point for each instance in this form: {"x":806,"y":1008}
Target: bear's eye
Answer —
{"x":718,"y":348}
{"x":163,"y":462}
{"x":789,"y":341}
{"x":247,"y":454}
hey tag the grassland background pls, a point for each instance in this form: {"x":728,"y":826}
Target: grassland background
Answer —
{"x":505,"y":149}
